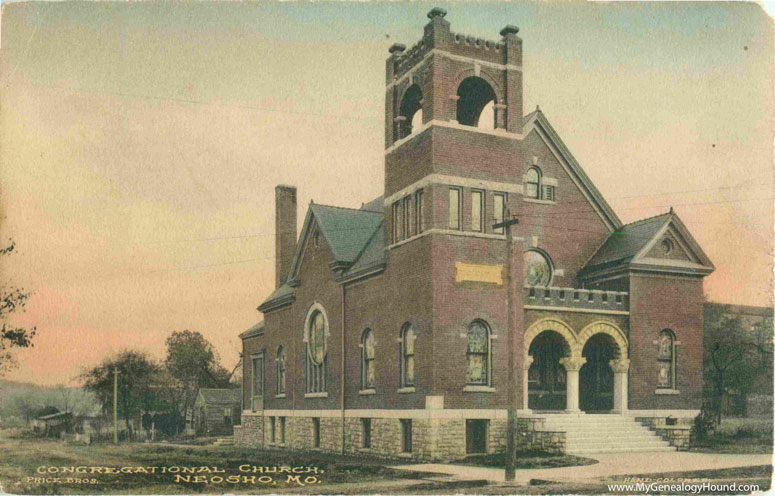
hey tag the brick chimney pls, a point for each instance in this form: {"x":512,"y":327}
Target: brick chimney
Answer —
{"x":285,"y":231}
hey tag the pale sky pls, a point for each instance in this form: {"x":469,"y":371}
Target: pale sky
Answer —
{"x":141,"y":143}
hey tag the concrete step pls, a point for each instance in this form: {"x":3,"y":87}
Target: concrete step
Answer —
{"x":616,"y":444}
{"x":588,"y":434}
{"x":592,"y":436}
{"x":593,"y":451}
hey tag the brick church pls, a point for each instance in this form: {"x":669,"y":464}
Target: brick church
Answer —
{"x":389,"y":331}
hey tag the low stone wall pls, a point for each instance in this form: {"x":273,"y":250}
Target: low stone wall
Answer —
{"x":531,"y":436}
{"x":676,"y":431}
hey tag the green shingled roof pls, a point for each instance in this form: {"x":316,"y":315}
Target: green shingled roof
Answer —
{"x":346,"y":230}
{"x":374,"y":252}
{"x":623,"y":244}
{"x":255,"y":330}
{"x":220,"y":395}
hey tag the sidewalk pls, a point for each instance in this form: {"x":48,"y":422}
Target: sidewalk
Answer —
{"x":609,"y":465}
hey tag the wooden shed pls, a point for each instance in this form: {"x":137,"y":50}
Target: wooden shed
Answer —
{"x":53,"y":424}
{"x":216,"y":411}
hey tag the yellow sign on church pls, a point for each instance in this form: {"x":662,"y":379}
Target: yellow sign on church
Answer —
{"x":492,"y":274}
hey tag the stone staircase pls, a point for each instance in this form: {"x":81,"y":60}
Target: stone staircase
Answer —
{"x":224,"y":441}
{"x":601,"y":433}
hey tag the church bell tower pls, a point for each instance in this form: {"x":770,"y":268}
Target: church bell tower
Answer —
{"x":453,"y":119}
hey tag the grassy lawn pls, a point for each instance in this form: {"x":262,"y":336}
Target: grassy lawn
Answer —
{"x":23,"y":457}
{"x":227,"y":469}
{"x":738,"y":435}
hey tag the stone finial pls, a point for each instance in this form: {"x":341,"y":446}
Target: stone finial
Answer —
{"x":509,"y":29}
{"x":436,"y":12}
{"x":397,"y":49}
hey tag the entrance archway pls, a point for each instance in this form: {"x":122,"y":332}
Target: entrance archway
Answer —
{"x":546,"y":377}
{"x":596,"y":378}
{"x":603,"y":378}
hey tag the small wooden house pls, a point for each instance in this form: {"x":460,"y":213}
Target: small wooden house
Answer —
{"x":216,"y":411}
{"x":53,"y":424}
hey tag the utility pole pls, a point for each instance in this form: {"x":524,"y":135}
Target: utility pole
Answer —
{"x":115,"y":405}
{"x":511,"y":427}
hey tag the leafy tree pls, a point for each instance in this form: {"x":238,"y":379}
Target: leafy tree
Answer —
{"x":193,"y":363}
{"x":735,"y":357}
{"x":137,"y":375}
{"x":11,"y":336}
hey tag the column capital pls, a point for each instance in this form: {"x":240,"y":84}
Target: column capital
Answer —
{"x":528,"y":361}
{"x":573,"y":364}
{"x":620,"y":366}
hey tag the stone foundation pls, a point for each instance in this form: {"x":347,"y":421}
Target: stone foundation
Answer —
{"x":432,"y":438}
{"x":676,"y":431}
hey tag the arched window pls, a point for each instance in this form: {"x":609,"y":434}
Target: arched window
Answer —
{"x":538,"y":269}
{"x":316,"y":331}
{"x":666,"y":358}
{"x":474,"y":95}
{"x":367,"y":360}
{"x":410,"y":113}
{"x":280,"y":370}
{"x":533,"y":183}
{"x":478,"y":354}
{"x":408,"y":342}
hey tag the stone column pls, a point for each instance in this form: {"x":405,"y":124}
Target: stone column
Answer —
{"x":526,"y":369}
{"x":572,"y":366}
{"x":500,"y":115}
{"x":452,"y":115}
{"x":620,"y":368}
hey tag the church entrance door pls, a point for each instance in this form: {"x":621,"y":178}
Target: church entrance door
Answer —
{"x":546,"y":376}
{"x":596,"y":379}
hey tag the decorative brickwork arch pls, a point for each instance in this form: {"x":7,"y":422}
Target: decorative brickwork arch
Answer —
{"x":484,"y":74}
{"x":557,"y":326}
{"x":605,"y":328}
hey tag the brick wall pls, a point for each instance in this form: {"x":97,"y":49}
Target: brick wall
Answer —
{"x":660,"y":302}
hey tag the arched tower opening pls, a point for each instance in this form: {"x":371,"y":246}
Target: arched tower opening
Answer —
{"x":410,"y":111}
{"x":474,"y":95}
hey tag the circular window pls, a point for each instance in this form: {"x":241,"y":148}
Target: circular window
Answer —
{"x":667,"y":246}
{"x":317,"y":338}
{"x":538,"y":270}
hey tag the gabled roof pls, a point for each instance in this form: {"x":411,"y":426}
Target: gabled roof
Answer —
{"x":346,"y":230}
{"x":254,"y":330}
{"x":373,"y":255}
{"x":624,"y":244}
{"x":355,"y":238}
{"x":220,"y":395}
{"x":630,"y":245}
{"x":536,"y":120}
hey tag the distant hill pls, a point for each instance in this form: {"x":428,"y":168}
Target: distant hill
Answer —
{"x":22,"y":399}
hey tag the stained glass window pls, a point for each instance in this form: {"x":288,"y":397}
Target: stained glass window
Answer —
{"x":316,"y":353}
{"x":408,"y":337}
{"x":538,"y":270}
{"x":666,"y":359}
{"x":280,"y":370}
{"x":368,"y":353}
{"x":533,"y":183}
{"x":477,"y":353}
